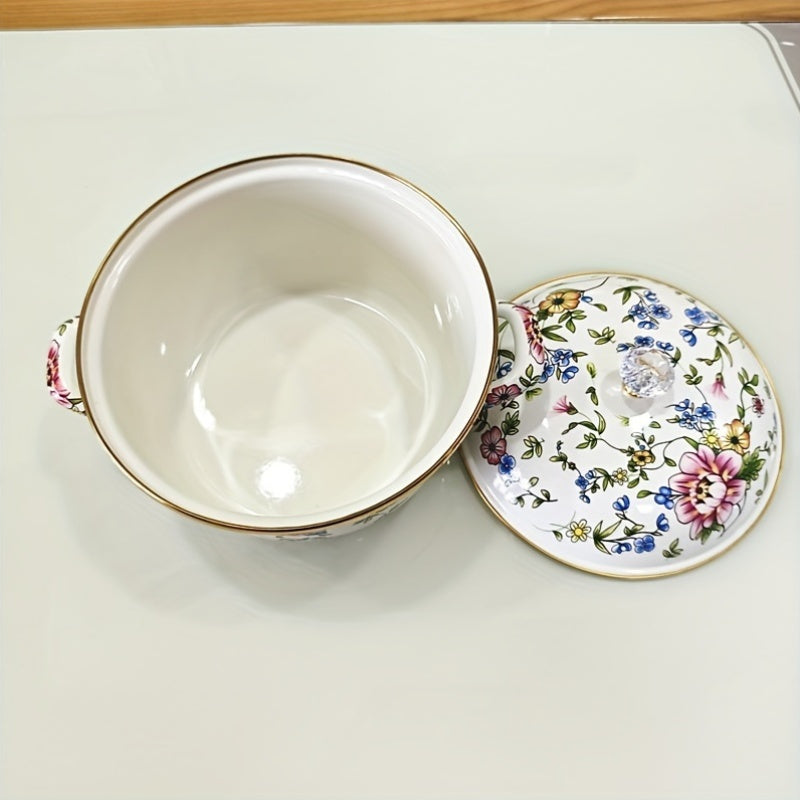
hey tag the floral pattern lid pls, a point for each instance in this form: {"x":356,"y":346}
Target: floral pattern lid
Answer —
{"x":638,"y":435}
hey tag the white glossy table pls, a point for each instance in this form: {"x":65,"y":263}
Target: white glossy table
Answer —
{"x":434,"y":655}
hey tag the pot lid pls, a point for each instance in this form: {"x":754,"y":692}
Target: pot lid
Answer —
{"x":637,"y":435}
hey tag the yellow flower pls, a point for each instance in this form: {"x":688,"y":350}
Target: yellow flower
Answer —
{"x":578,"y":531}
{"x":620,"y":475}
{"x":556,"y":302}
{"x":641,"y":458}
{"x":735,"y":437}
{"x":711,"y":438}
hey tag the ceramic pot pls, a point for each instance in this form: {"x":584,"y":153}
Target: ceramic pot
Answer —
{"x":287,"y":346}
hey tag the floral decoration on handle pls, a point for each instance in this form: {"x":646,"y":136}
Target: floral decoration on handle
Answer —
{"x":61,"y":379}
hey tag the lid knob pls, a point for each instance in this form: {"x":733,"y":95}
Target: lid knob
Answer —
{"x":646,"y":372}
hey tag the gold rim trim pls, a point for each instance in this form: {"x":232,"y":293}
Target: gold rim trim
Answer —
{"x":713,"y":555}
{"x":326,"y":524}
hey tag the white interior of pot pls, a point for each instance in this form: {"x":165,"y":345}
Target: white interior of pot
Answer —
{"x":286,"y":342}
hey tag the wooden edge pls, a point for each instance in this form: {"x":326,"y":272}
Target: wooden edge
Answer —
{"x":46,"y":14}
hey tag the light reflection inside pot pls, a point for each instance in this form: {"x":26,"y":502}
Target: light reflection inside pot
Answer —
{"x":278,"y":478}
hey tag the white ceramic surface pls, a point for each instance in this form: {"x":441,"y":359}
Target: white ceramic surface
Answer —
{"x":286,"y":344}
{"x":146,"y":657}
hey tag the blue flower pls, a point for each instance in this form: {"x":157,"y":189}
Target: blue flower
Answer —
{"x":660,"y":311}
{"x":644,"y":545}
{"x":504,"y":369}
{"x":688,"y":337}
{"x":664,"y":497}
{"x":548,"y":369}
{"x":621,"y":547}
{"x":622,"y":347}
{"x":507,"y":464}
{"x":662,"y":523}
{"x":585,"y":298}
{"x":683,"y":405}
{"x":638,"y":311}
{"x":687,"y":419}
{"x":591,"y":475}
{"x":696,"y":315}
{"x":647,"y":324}
{"x":651,"y":296}
{"x":705,"y":413}
{"x":643,"y":341}
{"x":569,"y":373}
{"x":581,"y":482}
{"x":666,"y":346}
{"x":584,"y":498}
{"x":562,"y":357}
{"x":622,"y":504}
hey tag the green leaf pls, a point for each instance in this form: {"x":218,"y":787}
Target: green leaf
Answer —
{"x":692,"y":442}
{"x":754,"y":380}
{"x":673,"y":551}
{"x":510,"y":423}
{"x":533,"y":481}
{"x":529,"y":371}
{"x":570,"y":326}
{"x":740,"y":411}
{"x":594,"y":334}
{"x":734,"y":337}
{"x":625,"y":292}
{"x":527,"y":454}
{"x":633,"y":483}
{"x":606,"y":532}
{"x":507,"y":354}
{"x":670,"y":462}
{"x":545,"y":494}
{"x":591,"y":369}
{"x":643,"y":493}
{"x":598,"y":543}
{"x":655,"y":424}
{"x":724,"y":349}
{"x":704,"y":535}
{"x":550,"y":333}
{"x":559,"y":536}
{"x":531,"y":393}
{"x":601,"y":422}
{"x":601,"y":306}
{"x":751,"y":466}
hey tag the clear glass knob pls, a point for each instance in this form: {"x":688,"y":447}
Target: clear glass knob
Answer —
{"x":646,"y":372}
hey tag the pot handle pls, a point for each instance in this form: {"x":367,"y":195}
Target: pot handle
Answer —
{"x":525,"y":332}
{"x":62,"y":381}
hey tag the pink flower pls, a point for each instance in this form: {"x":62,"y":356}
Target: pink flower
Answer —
{"x":758,"y":405}
{"x":535,"y":341}
{"x":493,"y":445}
{"x":503,"y":395}
{"x":58,"y":391}
{"x":718,"y":387}
{"x":563,"y":406}
{"x":708,"y":487}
